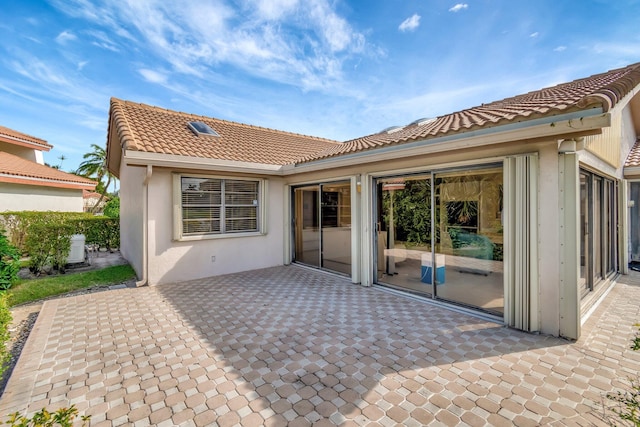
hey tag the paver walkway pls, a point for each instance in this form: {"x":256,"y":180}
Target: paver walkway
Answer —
{"x":289,"y":346}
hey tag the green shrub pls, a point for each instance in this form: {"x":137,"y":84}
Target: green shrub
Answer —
{"x":17,"y":224}
{"x":112,"y":208}
{"x":5,"y":321}
{"x":9,"y":262}
{"x":100,"y":230}
{"x":63,"y":417}
{"x":49,"y":244}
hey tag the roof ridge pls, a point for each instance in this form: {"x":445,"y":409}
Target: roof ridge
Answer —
{"x":22,"y":136}
{"x":245,"y":125}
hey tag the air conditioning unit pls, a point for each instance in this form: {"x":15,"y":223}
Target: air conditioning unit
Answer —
{"x":76,"y":253}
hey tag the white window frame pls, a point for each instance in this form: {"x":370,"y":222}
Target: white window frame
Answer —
{"x":177,"y":208}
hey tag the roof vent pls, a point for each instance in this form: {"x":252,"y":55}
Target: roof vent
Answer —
{"x":201,"y":128}
{"x":423,"y":121}
{"x":392,"y":129}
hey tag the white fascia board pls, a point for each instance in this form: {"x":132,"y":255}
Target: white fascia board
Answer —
{"x":140,"y":158}
{"x":632,"y":172}
{"x":547,"y":127}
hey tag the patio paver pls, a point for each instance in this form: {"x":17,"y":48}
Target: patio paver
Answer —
{"x":290,"y":346}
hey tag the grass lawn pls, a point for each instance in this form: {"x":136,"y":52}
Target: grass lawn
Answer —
{"x":36,"y":289}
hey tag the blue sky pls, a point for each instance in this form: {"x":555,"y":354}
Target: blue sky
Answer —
{"x":332,"y":68}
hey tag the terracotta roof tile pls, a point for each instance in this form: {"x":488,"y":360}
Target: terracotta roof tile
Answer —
{"x":18,"y":170}
{"x":12,"y":136}
{"x":633,"y":159}
{"x":601,"y":90}
{"x":151,"y":129}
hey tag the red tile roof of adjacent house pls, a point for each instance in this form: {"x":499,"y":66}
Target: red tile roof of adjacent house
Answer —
{"x":600,"y":90}
{"x":87,"y":194}
{"x":16,"y":170}
{"x":18,"y":138}
{"x":151,"y":129}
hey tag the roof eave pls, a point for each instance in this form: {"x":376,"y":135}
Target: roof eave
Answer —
{"x":559,"y":126}
{"x":140,"y":158}
{"x":43,"y":182}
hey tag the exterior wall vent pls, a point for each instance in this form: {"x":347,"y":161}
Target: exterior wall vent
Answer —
{"x":201,"y":128}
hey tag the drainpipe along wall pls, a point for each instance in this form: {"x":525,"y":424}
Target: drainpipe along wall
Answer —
{"x":145,"y":228}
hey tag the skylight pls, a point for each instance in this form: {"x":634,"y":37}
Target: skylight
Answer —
{"x":423,"y":121}
{"x":201,"y":128}
{"x":392,"y":129}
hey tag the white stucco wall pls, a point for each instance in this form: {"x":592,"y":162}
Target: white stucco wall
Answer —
{"x":175,"y":261}
{"x":131,"y":216}
{"x":19,"y":197}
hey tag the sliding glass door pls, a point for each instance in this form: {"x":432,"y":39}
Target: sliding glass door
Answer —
{"x":443,"y":228}
{"x":322,"y":226}
{"x":598,"y":230}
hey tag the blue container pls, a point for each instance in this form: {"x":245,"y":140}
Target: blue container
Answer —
{"x":426,"y":275}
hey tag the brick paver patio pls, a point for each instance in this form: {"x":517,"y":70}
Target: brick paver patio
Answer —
{"x":290,"y":346}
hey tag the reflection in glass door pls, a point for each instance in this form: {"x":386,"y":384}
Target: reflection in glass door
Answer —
{"x":404,"y":232}
{"x":322,"y":230}
{"x":443,"y":228}
{"x":307,"y":227}
{"x":598,"y":230}
{"x":469,"y":238}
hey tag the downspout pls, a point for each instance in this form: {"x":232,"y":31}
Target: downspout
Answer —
{"x":145,"y":229}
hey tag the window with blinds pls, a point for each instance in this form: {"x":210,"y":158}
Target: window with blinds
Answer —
{"x":219,"y":206}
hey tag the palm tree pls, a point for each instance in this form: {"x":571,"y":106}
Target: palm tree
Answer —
{"x":62,"y":158}
{"x":94,"y":166}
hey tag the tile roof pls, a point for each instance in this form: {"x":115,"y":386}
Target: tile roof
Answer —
{"x":633,"y":159}
{"x":600,"y":90}
{"x":14,"y":137}
{"x":151,"y":129}
{"x":17,"y":170}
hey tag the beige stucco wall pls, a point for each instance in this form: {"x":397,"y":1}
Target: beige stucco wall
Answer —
{"x":548,"y":214}
{"x":131,"y":216}
{"x":19,"y":197}
{"x":24,"y":152}
{"x":174,"y":261}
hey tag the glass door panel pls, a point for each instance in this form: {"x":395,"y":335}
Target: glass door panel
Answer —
{"x":336,"y":227}
{"x":584,"y":282}
{"x":322,"y":229}
{"x":307,"y":225}
{"x":597,"y":229}
{"x":634,"y":224}
{"x":404,"y":233}
{"x":469,"y":239}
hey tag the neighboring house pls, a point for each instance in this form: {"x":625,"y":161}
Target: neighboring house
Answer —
{"x":26,"y":184}
{"x":91,"y":199}
{"x":517,"y":209}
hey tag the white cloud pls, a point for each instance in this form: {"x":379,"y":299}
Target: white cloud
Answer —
{"x":560,"y":49}
{"x":81,"y":65}
{"x":273,"y":9}
{"x":304,"y":44}
{"x":410,"y":24}
{"x":458,"y":7}
{"x":153,"y":76}
{"x":65,"y":37}
{"x":534,"y":35}
{"x":103,"y":41}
